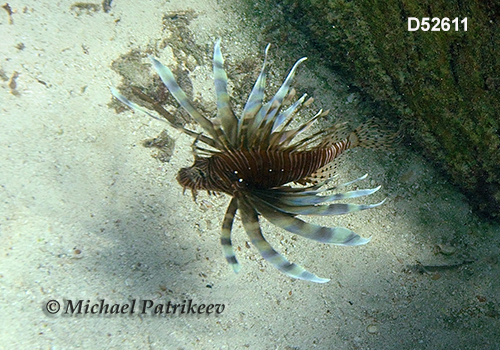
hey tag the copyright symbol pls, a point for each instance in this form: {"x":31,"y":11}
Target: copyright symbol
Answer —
{"x":53,"y":307}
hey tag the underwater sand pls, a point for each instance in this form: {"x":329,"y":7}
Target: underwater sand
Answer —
{"x":89,"y":214}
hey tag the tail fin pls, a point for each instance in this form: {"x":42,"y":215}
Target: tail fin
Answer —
{"x":370,"y":135}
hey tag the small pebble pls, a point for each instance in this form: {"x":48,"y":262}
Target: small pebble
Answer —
{"x":445,"y":249}
{"x":481,"y":298}
{"x":372,"y":329}
{"x":435,"y":276}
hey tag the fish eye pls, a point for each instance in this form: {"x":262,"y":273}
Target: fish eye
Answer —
{"x":200,"y":173}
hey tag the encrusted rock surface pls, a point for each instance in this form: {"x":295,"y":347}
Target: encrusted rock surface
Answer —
{"x":443,"y":85}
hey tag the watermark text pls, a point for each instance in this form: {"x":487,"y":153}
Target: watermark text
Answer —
{"x":132,"y":307}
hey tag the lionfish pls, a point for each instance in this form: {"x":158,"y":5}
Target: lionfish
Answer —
{"x":255,"y":157}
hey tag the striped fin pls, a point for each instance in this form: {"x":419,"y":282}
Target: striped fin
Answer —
{"x":288,"y":112}
{"x":288,"y":189}
{"x":371,"y":135}
{"x":162,"y":112}
{"x":267,"y":113}
{"x":284,"y":138}
{"x":351,"y":182}
{"x":224,"y":112}
{"x":349,"y":194}
{"x":307,"y":196}
{"x":254,"y":102}
{"x":307,"y":205}
{"x":323,"y":210}
{"x":333,"y":235}
{"x":251,"y":223}
{"x":312,"y":198}
{"x":255,"y":98}
{"x":225,"y":238}
{"x":320,"y":138}
{"x":168,"y":79}
{"x":273,"y":106}
{"x":290,"y":96}
{"x":133,"y":105}
{"x":329,"y":169}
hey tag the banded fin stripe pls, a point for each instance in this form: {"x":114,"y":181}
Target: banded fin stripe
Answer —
{"x":225,"y":238}
{"x":251,"y":224}
{"x":334,"y":235}
{"x":311,"y":198}
{"x":224,"y":112}
{"x":168,"y":79}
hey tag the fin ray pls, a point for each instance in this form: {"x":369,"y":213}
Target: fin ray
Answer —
{"x":168,"y":79}
{"x":251,"y":224}
{"x":225,"y":238}
{"x":288,"y":222}
{"x":224,"y":112}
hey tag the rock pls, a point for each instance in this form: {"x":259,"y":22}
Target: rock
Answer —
{"x":443,"y":85}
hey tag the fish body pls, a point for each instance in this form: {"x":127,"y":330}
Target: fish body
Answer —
{"x":256,"y":157}
{"x":258,"y":169}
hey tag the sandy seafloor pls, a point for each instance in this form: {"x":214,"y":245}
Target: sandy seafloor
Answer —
{"x":88,"y":214}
